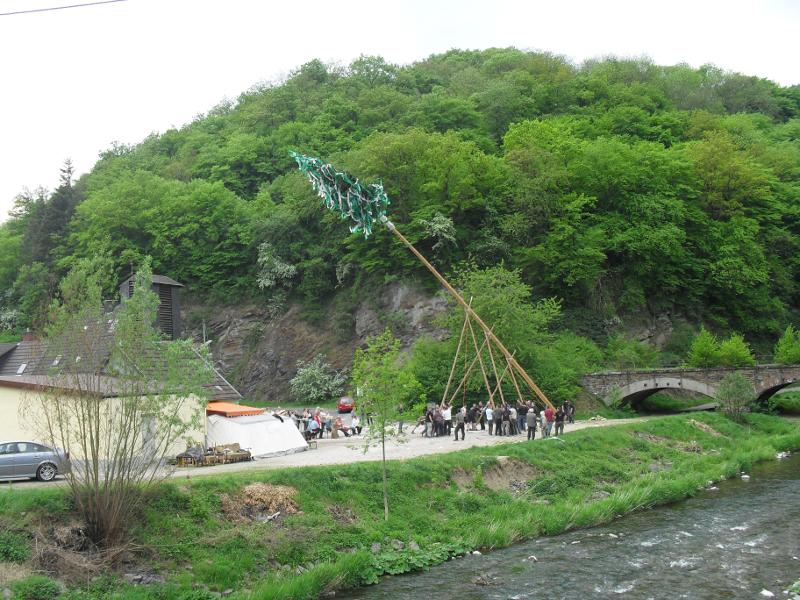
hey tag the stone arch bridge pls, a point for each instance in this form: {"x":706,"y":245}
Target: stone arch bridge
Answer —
{"x":634,"y":386}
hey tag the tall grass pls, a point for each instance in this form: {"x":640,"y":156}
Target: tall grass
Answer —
{"x":788,"y":403}
{"x":590,"y":477}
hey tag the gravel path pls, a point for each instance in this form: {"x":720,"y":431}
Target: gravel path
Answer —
{"x":348,"y":450}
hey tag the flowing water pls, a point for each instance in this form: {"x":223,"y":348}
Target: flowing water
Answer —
{"x":734,"y":542}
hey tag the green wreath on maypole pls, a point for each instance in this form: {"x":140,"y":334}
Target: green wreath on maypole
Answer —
{"x":365,"y":205}
{"x":339,"y":192}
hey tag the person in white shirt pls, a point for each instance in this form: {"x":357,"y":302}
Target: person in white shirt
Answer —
{"x":447,"y":416}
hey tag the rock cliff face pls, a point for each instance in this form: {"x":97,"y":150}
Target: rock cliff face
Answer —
{"x":259,"y":354}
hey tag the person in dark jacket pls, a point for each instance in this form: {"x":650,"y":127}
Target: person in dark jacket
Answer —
{"x":461,"y":417}
{"x":522,"y":422}
{"x":569,"y":409}
{"x":560,"y":416}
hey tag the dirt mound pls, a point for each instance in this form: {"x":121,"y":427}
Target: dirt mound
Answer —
{"x":509,"y":474}
{"x":65,"y":551}
{"x":692,"y":446}
{"x":260,"y":502}
{"x":703,"y":427}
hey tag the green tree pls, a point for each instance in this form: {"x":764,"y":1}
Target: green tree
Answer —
{"x":787,"y":348}
{"x":704,"y":351}
{"x":384,"y":389}
{"x":735,"y":352}
{"x":623,"y":354}
{"x":125,"y":397}
{"x":735,"y":395}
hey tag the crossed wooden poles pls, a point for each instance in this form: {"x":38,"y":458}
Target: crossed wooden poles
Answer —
{"x":512,"y":367}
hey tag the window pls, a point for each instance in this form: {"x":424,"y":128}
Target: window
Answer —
{"x":21,"y":368}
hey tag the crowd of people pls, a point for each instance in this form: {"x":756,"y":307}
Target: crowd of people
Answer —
{"x":504,"y":419}
{"x":445,"y":420}
{"x":313,"y":424}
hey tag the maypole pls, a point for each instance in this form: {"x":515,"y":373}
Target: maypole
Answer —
{"x":366,"y":204}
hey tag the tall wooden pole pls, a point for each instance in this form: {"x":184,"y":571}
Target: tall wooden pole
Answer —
{"x":467,"y":373}
{"x":453,"y":292}
{"x":497,"y":378}
{"x":455,"y":358}
{"x":480,"y":361}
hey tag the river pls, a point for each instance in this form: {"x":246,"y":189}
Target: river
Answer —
{"x":733,"y":542}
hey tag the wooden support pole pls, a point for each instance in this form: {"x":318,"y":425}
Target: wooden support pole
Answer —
{"x":480,"y":360}
{"x":455,"y":358}
{"x":467,"y":373}
{"x":502,"y":376}
{"x":516,"y":385}
{"x":453,"y":292}
{"x":497,"y":378}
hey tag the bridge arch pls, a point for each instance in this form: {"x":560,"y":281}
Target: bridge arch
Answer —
{"x":766,"y":393}
{"x":636,"y":391}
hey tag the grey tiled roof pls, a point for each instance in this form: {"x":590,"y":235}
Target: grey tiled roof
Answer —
{"x":39,"y":360}
{"x":161,"y":279}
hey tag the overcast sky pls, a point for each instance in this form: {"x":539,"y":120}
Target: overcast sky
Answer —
{"x":72,"y":81}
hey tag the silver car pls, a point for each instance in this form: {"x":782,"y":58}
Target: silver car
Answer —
{"x":25,"y":459}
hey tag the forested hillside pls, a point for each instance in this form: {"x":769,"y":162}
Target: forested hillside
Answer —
{"x":617,"y":186}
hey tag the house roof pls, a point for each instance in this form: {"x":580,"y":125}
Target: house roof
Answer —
{"x":5,"y":348}
{"x":227,"y":409}
{"x":42,"y":361}
{"x":160,"y":279}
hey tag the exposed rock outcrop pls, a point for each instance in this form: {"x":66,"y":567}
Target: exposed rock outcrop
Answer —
{"x":259,"y":354}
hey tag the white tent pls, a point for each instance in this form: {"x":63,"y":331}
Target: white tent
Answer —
{"x":262,"y":435}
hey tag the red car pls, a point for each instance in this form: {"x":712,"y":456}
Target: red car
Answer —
{"x":345,"y":404}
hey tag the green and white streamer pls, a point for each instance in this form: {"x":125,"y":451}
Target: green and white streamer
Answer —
{"x":339,"y":191}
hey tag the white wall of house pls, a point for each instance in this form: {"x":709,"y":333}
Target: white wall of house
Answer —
{"x":19,"y":410}
{"x":11,"y":401}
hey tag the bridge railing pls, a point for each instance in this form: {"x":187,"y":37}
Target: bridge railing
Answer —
{"x":765,"y":360}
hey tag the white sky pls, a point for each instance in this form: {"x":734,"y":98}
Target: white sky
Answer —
{"x":72,"y":81}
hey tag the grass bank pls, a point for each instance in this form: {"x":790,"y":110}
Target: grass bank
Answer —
{"x":787,"y":404}
{"x":192,"y":541}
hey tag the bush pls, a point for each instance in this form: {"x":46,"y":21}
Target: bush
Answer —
{"x":704,"y":351}
{"x":735,"y":395}
{"x":624,"y":354}
{"x":13,"y":547}
{"x":316,"y":381}
{"x":734,"y":352}
{"x":35,"y":587}
{"x":787,"y":350}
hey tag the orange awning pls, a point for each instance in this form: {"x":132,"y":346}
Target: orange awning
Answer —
{"x":228,"y":409}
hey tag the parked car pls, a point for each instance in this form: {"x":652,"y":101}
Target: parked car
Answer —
{"x":345,"y":404}
{"x":26,"y":459}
